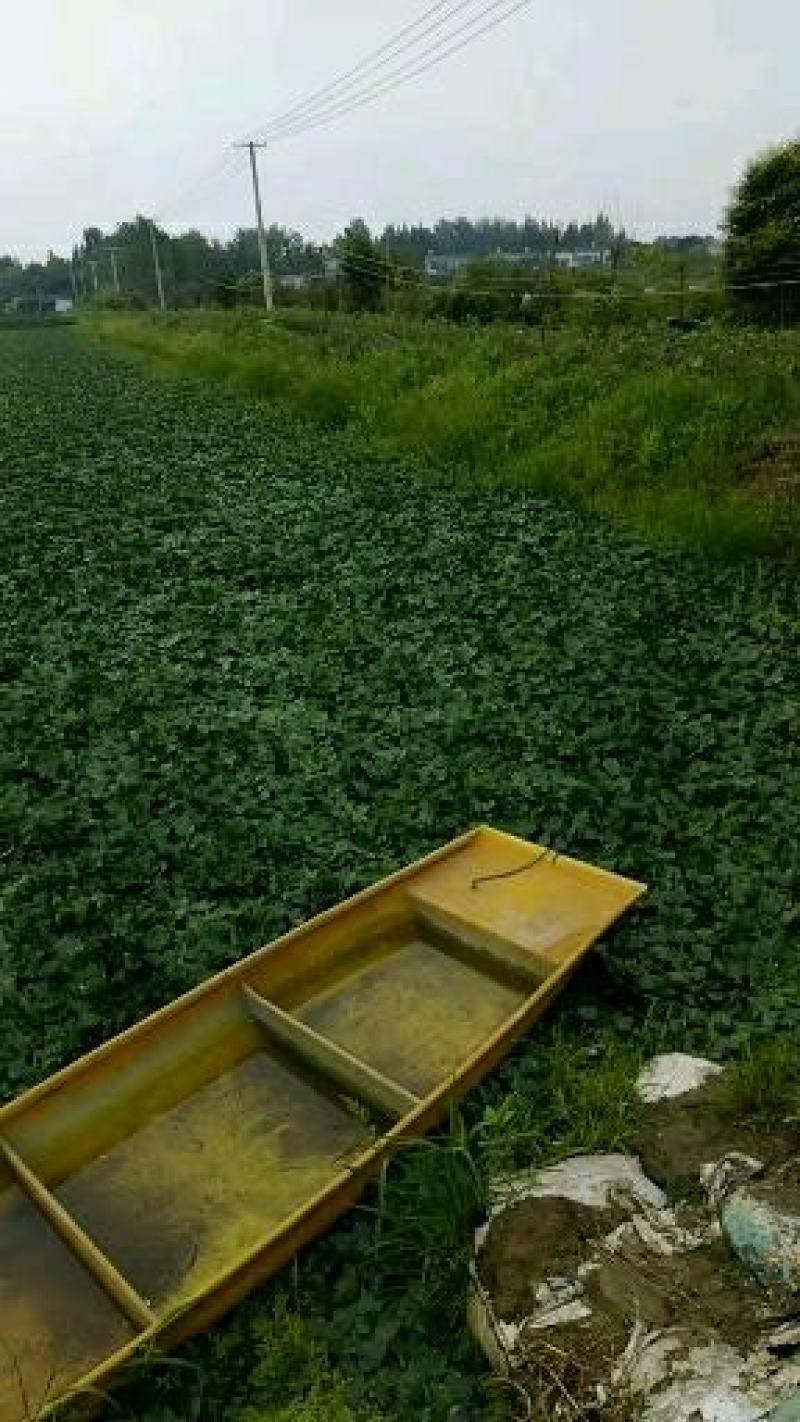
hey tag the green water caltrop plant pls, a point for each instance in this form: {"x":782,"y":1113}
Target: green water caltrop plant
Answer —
{"x":249,"y":667}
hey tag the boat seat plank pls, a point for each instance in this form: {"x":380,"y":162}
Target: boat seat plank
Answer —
{"x":69,"y":1231}
{"x":348,"y":1071}
{"x":491,"y":951}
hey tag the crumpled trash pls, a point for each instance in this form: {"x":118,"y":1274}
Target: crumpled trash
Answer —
{"x":592,"y":1180}
{"x":677,"y":1376}
{"x":721,"y":1177}
{"x":673,"y":1074}
{"x":761,"y":1229}
{"x":596,"y":1182}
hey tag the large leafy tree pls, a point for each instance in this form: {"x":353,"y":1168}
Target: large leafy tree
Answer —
{"x":364,"y":267}
{"x":762,"y":254}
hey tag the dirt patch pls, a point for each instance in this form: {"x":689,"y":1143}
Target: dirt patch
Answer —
{"x":564,"y":1371}
{"x":547,"y":1239}
{"x":678,"y":1137}
{"x":570,"y":1370}
{"x":569,"y":1289}
{"x":701,"y":1288}
{"x":779,"y":1186}
{"x":535,"y":1240}
{"x":771,"y":472}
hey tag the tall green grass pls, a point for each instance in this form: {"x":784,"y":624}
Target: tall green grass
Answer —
{"x":658,"y":429}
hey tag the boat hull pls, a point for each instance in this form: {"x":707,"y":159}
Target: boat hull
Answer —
{"x":170,"y":1171}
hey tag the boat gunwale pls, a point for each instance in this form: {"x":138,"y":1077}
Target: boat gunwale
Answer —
{"x":218,"y":982}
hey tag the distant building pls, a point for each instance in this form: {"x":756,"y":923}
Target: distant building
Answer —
{"x":451,"y":264}
{"x":295,"y":281}
{"x":447,"y":264}
{"x":525,"y":258}
{"x":34,"y":305}
{"x":331,"y":267}
{"x":579,"y":261}
{"x":21,"y":303}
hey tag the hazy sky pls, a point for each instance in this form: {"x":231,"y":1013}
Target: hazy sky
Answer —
{"x":645,"y":107}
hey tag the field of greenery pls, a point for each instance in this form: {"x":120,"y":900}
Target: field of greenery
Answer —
{"x":254,"y":661}
{"x":673,"y":432}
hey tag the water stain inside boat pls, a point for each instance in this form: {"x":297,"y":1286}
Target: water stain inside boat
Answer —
{"x":415,"y":1012}
{"x":198,"y":1186}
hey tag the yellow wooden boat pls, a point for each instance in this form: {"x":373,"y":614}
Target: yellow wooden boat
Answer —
{"x":147,"y":1187}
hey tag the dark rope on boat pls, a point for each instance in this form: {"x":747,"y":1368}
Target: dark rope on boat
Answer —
{"x":521,"y":868}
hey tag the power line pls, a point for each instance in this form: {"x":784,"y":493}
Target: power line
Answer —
{"x":405,"y":74}
{"x":434,"y":54}
{"x":223,"y":167}
{"x":368,"y":65}
{"x":314,"y":108}
{"x":410,"y":277}
{"x":413,"y":278}
{"x":766,"y":278}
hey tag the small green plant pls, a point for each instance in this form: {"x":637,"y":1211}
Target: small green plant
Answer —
{"x":763,"y":1084}
{"x":434,"y":1194}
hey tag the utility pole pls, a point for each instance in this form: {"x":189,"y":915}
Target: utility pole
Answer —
{"x":157,"y":266}
{"x":387,"y":274}
{"x":93,"y":264}
{"x":112,"y":252}
{"x":266,"y":276}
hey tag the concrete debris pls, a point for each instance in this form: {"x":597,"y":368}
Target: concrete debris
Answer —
{"x":673,"y":1074}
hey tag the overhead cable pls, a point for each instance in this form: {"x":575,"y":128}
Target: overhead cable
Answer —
{"x":372,"y":62}
{"x":436,"y":54}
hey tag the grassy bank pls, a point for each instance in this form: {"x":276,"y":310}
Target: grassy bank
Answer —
{"x":684,"y":436}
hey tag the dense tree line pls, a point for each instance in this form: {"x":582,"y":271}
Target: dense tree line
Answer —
{"x":197,"y":268}
{"x":489,"y":235}
{"x":761,"y":267}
